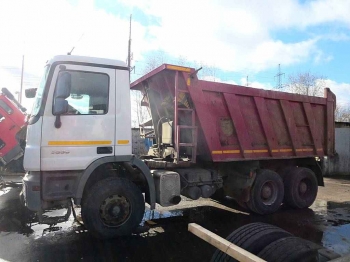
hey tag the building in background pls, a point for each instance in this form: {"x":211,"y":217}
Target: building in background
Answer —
{"x":340,"y":164}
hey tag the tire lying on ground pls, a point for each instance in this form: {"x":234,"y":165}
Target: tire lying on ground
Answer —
{"x":289,"y":249}
{"x":267,"y":193}
{"x":300,"y":187}
{"x":252,"y":237}
{"x":112,"y":207}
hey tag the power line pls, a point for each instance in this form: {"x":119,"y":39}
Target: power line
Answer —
{"x":279,"y":76}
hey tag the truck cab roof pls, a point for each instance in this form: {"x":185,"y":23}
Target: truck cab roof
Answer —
{"x":88,"y":60}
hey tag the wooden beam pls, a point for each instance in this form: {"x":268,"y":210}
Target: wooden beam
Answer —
{"x":224,"y":245}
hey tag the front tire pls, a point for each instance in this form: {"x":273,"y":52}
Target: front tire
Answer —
{"x":112,"y":207}
{"x":267,"y":192}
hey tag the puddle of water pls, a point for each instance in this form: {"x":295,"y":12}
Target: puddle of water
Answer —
{"x":337,"y":239}
{"x":156,"y":214}
{"x":4,"y":191}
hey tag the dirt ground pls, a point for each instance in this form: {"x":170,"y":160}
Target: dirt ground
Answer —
{"x":327,"y":223}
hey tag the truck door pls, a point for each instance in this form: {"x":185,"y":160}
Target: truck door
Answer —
{"x":87,"y":130}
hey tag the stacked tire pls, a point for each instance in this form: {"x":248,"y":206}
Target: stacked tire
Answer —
{"x":270,"y":243}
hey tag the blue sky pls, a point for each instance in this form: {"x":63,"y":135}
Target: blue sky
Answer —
{"x":237,"y":38}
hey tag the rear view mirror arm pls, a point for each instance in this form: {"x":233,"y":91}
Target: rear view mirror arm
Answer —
{"x":58,"y":122}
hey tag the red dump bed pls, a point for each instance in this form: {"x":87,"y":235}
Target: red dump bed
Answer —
{"x":238,"y":123}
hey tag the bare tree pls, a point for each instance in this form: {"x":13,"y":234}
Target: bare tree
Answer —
{"x":154,"y":61}
{"x":140,"y":113}
{"x":307,"y":84}
{"x":342,"y":113}
{"x":208,"y":72}
{"x":183,"y":61}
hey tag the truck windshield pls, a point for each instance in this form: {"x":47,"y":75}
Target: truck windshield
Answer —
{"x":39,"y":92}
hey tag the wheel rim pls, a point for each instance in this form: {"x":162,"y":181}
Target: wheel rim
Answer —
{"x":304,"y":187}
{"x":268,"y":192}
{"x":115,"y":210}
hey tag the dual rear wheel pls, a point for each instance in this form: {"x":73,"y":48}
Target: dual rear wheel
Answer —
{"x":298,"y":189}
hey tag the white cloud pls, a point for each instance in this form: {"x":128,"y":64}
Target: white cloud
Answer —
{"x":341,"y":90}
{"x":42,"y":29}
{"x":237,"y":35}
{"x":217,"y":79}
{"x":270,"y":53}
{"x":256,"y":84}
{"x":234,"y":36}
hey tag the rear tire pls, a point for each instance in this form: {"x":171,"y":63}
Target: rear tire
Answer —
{"x":267,"y":192}
{"x":289,"y":249}
{"x":112,"y":207}
{"x":300,"y":187}
{"x":253,"y":237}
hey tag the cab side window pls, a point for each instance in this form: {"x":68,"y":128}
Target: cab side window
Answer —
{"x":5,"y":107}
{"x":89,"y":93}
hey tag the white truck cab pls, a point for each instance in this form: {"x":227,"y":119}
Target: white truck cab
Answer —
{"x":78,"y":132}
{"x":97,"y":121}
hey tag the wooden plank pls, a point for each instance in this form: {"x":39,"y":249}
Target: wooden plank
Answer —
{"x":224,"y":245}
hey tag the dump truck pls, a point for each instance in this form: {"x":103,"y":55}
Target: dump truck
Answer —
{"x":260,"y":147}
{"x":12,"y":129}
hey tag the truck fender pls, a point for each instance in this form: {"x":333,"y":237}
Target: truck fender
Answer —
{"x":112,"y":159}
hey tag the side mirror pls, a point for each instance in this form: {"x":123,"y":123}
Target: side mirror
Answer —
{"x":62,"y":91}
{"x":63,"y":85}
{"x":60,"y":106}
{"x":30,"y":92}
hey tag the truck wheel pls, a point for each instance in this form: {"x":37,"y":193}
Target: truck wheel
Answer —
{"x":267,"y":192}
{"x":252,"y":237}
{"x":289,"y":249}
{"x":112,"y":207}
{"x":300,"y":187}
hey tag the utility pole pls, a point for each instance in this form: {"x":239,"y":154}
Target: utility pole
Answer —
{"x":21,"y":89}
{"x":279,"y":76}
{"x":247,"y":82}
{"x":129,"y":49}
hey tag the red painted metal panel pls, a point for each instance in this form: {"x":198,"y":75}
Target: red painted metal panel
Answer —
{"x":238,"y":119}
{"x":267,"y":125}
{"x":12,"y":120}
{"x":240,"y":123}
